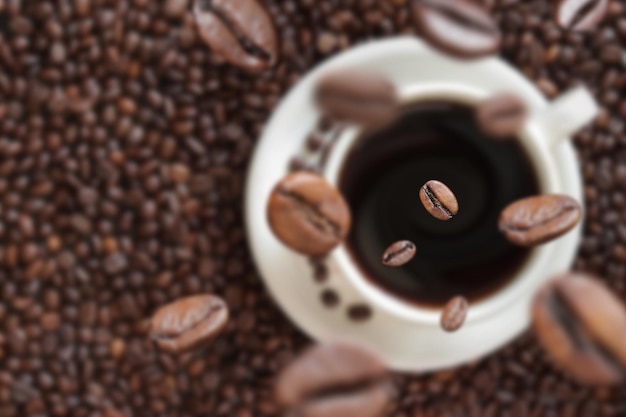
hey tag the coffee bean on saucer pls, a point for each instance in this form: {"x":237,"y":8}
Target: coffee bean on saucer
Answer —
{"x":359,"y":313}
{"x":580,"y":15}
{"x":330,"y":298}
{"x":580,"y":323}
{"x":502,"y":115}
{"x":439,"y":200}
{"x":308,"y":214}
{"x":188,"y":322}
{"x":356,"y":96}
{"x":539,"y":219}
{"x":334,"y":379}
{"x":454,"y":313}
{"x":241,"y":32}
{"x":457,"y":27}
{"x":399,"y":253}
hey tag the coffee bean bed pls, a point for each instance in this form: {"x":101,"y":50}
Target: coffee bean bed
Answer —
{"x":124,"y":142}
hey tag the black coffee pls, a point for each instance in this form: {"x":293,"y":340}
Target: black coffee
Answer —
{"x":381,"y":181}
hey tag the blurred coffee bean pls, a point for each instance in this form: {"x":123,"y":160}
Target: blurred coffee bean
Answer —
{"x":308,"y":214}
{"x":457,"y":27}
{"x":580,"y":15}
{"x":241,"y":32}
{"x":359,"y":313}
{"x":399,"y":253}
{"x":357,"y":97}
{"x":539,"y":219}
{"x":439,"y":200}
{"x":580,"y":323}
{"x":502,"y":115}
{"x":334,"y":379}
{"x":454,"y":313}
{"x":188,"y":322}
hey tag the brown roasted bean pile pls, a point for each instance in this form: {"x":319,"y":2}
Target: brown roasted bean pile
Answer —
{"x":124,"y":142}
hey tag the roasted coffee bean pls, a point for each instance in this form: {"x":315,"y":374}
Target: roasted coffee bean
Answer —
{"x":399,"y":253}
{"x":241,"y":32}
{"x":439,"y":200}
{"x":358,"y":97}
{"x":454,"y":313}
{"x":580,"y":323}
{"x":359,"y":313}
{"x":330,"y":298}
{"x":188,"y":322}
{"x":457,"y":27}
{"x":539,"y":219}
{"x":580,"y":15}
{"x":334,"y":379}
{"x":308,"y":214}
{"x":502,"y":115}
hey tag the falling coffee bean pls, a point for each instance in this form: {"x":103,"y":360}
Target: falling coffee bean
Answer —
{"x":502,"y":115}
{"x":580,"y":15}
{"x":334,"y":379}
{"x":457,"y":27}
{"x":580,"y":323}
{"x":454,"y":313}
{"x":399,"y":253}
{"x":308,"y":214}
{"x":188,"y":322}
{"x":439,"y":200}
{"x":357,"y":97}
{"x":539,"y":219}
{"x":239,"y":31}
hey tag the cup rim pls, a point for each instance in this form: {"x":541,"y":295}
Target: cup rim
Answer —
{"x":544,"y":165}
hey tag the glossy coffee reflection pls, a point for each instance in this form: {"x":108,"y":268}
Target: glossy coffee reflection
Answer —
{"x":381,"y":181}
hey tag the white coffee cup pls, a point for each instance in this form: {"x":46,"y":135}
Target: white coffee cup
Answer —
{"x":407,"y":336}
{"x":542,"y":132}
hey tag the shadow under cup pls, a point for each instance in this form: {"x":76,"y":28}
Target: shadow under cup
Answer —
{"x":381,"y":176}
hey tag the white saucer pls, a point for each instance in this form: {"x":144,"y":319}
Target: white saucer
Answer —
{"x":288,"y":276}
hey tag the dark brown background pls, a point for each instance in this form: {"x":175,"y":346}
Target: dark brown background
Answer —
{"x":133,"y":199}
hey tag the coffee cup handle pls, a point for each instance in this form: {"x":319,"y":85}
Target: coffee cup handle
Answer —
{"x":567,"y":114}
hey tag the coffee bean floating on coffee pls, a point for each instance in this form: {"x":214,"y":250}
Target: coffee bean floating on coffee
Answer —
{"x":399,"y":253}
{"x":439,"y":200}
{"x":502,"y":115}
{"x":240,"y":31}
{"x":334,"y":379}
{"x":454,"y":314}
{"x":356,"y":96}
{"x":188,"y":323}
{"x":308,"y":214}
{"x":580,"y":15}
{"x":539,"y":219}
{"x":581,"y":325}
{"x":457,"y":27}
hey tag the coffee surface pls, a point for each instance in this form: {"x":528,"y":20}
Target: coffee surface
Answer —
{"x":464,"y":255}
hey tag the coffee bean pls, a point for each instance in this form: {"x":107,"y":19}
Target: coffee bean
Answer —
{"x":359,"y":312}
{"x":579,"y":322}
{"x":399,"y":253}
{"x":439,"y":200}
{"x":454,"y":313}
{"x":539,"y":219}
{"x":580,"y":15}
{"x":330,"y":298}
{"x":334,"y":379}
{"x":457,"y":27}
{"x":358,"y":97}
{"x":502,"y":115}
{"x":241,"y":32}
{"x":188,"y":322}
{"x":308,"y":214}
